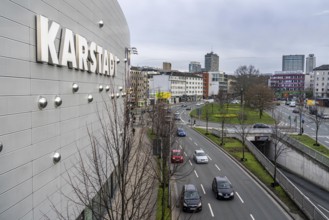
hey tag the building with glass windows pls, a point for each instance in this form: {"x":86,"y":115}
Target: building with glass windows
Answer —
{"x":293,"y":62}
{"x":211,"y":62}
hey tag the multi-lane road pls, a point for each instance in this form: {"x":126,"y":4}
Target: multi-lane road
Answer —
{"x":251,"y":200}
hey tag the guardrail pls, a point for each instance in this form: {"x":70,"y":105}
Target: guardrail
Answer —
{"x":295,"y":194}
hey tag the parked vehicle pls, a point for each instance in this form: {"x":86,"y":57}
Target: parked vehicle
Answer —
{"x":222,"y":188}
{"x":177,"y":116}
{"x":200,"y":156}
{"x":190,"y":199}
{"x":177,"y":156}
{"x":292,"y":104}
{"x":260,"y":125}
{"x":296,"y":110}
{"x":181,"y":132}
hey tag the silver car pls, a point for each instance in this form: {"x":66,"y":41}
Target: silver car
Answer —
{"x":200,"y":156}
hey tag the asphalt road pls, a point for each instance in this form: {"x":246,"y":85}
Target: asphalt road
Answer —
{"x":251,"y":200}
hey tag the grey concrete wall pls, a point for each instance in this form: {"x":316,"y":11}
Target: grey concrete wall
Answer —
{"x":29,"y":179}
{"x":302,"y":165}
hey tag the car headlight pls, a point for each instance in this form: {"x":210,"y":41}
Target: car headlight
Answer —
{"x":232,"y":193}
{"x":199,"y":204}
{"x":184,"y":204}
{"x":220,"y":194}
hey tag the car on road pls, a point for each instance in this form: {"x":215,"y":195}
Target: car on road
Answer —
{"x":260,"y":125}
{"x":177,"y":156}
{"x":292,"y":104}
{"x":222,"y":188}
{"x":188,"y":108}
{"x":323,"y":116}
{"x":200,"y":156}
{"x":296,"y":110}
{"x":176,"y":116}
{"x":190,"y":199}
{"x":181,"y":132}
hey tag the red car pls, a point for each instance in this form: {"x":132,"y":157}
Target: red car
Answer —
{"x":177,"y":156}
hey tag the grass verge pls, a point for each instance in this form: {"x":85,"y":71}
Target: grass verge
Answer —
{"x":234,"y":148}
{"x":308,"y":141}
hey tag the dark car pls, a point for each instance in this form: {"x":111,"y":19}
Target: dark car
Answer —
{"x":190,"y":199}
{"x":260,"y":125}
{"x":177,"y":156}
{"x":188,"y":108}
{"x":181,"y":132}
{"x":222,"y":188}
{"x":296,"y":110}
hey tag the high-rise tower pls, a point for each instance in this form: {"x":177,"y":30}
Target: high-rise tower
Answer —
{"x":211,"y":62}
{"x":310,"y":63}
{"x":293,"y":62}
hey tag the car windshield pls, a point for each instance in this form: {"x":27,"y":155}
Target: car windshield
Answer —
{"x":191,"y":195}
{"x":223,"y":185}
{"x":176,"y":153}
{"x":200,"y":154}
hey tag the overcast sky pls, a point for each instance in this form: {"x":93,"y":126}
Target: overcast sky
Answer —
{"x":240,"y":32}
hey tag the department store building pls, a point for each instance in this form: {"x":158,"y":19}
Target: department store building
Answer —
{"x":58,"y":60}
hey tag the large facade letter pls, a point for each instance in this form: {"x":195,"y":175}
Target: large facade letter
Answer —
{"x":67,"y":55}
{"x":99,"y":50}
{"x":92,"y":64}
{"x":112,"y":61}
{"x":105,"y":67}
{"x":81,"y":47}
{"x":46,"y":40}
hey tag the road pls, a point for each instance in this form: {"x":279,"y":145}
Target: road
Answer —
{"x":251,"y":200}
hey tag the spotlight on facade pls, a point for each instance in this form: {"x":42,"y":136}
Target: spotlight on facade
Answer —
{"x":90,"y":98}
{"x":75,"y":87}
{"x":126,"y":60}
{"x":120,"y":88}
{"x":56,"y":157}
{"x":42,"y":103}
{"x":107,"y":88}
{"x":118,"y":60}
{"x":112,"y":96}
{"x":118,"y":95}
{"x":101,"y":23}
{"x":100,"y":88}
{"x":58,"y":101}
{"x":1,"y":146}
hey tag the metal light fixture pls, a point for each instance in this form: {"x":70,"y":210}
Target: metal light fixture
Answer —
{"x":42,"y":103}
{"x":120,"y":88}
{"x":90,"y":98}
{"x":75,"y":87}
{"x":58,"y":101}
{"x":112,"y":96}
{"x":1,"y":146}
{"x":101,"y":23}
{"x":118,"y":95}
{"x":107,"y":88}
{"x":123,"y":94}
{"x":118,"y":60}
{"x":100,"y":88}
{"x":126,"y":60}
{"x":56,"y":157}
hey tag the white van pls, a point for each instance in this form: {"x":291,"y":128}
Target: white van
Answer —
{"x":292,"y":104}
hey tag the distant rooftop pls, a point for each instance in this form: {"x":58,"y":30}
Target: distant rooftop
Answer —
{"x":323,"y":67}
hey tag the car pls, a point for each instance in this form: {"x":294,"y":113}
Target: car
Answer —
{"x":190,"y":199}
{"x":323,"y":116}
{"x":222,"y":188}
{"x":200,"y":156}
{"x":181,"y":132}
{"x":188,"y":108}
{"x":296,"y":110}
{"x":183,"y":105}
{"x":260,"y":125}
{"x":176,"y":116}
{"x":177,"y":156}
{"x":292,"y":104}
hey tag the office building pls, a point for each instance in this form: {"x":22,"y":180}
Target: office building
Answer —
{"x":166,"y":66}
{"x":310,"y":63}
{"x":194,"y":67}
{"x":211,"y":62}
{"x":49,"y":94}
{"x":288,"y":81}
{"x":321,"y":81}
{"x":293,"y":62}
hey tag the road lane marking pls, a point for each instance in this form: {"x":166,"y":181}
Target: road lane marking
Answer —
{"x":313,"y":129}
{"x":190,"y":139}
{"x":180,"y":146}
{"x":196,"y":174}
{"x":239,"y":197}
{"x":204,"y":192}
{"x":327,"y":142}
{"x":185,"y":154}
{"x":209,"y":157}
{"x":190,"y":162}
{"x":211,"y":212}
{"x":217,"y":167}
{"x":252,"y":217}
{"x":196,"y":143}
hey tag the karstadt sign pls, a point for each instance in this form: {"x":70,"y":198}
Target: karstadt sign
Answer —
{"x":74,"y":50}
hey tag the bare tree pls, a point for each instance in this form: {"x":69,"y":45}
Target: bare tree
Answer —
{"x":260,"y":97}
{"x":242,"y":129}
{"x":277,"y":142}
{"x":318,"y":120}
{"x":113,"y":178}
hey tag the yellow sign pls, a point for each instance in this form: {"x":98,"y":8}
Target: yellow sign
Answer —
{"x":163,"y":95}
{"x":310,"y":102}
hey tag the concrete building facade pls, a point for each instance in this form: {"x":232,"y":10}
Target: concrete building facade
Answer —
{"x":58,"y":60}
{"x":211,"y":62}
{"x":293,"y":62}
{"x":321,"y":81}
